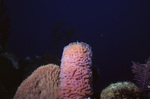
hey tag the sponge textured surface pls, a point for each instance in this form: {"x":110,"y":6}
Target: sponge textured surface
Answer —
{"x":42,"y":84}
{"x":76,"y":73}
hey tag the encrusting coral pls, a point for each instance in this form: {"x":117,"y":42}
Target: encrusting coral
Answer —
{"x":121,"y":90}
{"x":76,"y":73}
{"x":42,"y":84}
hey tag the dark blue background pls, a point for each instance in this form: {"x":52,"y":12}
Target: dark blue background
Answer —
{"x":117,"y":30}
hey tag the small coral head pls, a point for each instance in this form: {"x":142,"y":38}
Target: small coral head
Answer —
{"x":76,"y":73}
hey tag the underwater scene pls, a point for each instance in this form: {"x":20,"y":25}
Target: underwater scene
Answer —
{"x":71,"y":49}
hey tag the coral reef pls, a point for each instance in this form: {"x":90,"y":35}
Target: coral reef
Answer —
{"x":42,"y":84}
{"x":121,"y":90}
{"x":76,"y":73}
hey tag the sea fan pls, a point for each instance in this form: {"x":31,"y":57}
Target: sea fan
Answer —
{"x":142,"y":75}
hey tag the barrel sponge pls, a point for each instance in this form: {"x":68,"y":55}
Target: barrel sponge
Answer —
{"x":76,"y":73}
{"x":43,"y":83}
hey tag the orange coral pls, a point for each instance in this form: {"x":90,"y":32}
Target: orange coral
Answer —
{"x":42,"y":84}
{"x":76,"y":73}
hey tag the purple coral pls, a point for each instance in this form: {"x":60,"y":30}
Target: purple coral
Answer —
{"x":142,"y":74}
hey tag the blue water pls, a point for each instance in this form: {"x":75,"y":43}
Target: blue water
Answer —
{"x":118,"y":31}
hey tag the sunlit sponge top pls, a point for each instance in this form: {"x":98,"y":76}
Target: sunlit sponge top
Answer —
{"x":76,"y":73}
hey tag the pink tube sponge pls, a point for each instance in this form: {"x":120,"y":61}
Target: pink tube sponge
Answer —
{"x":76,"y":73}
